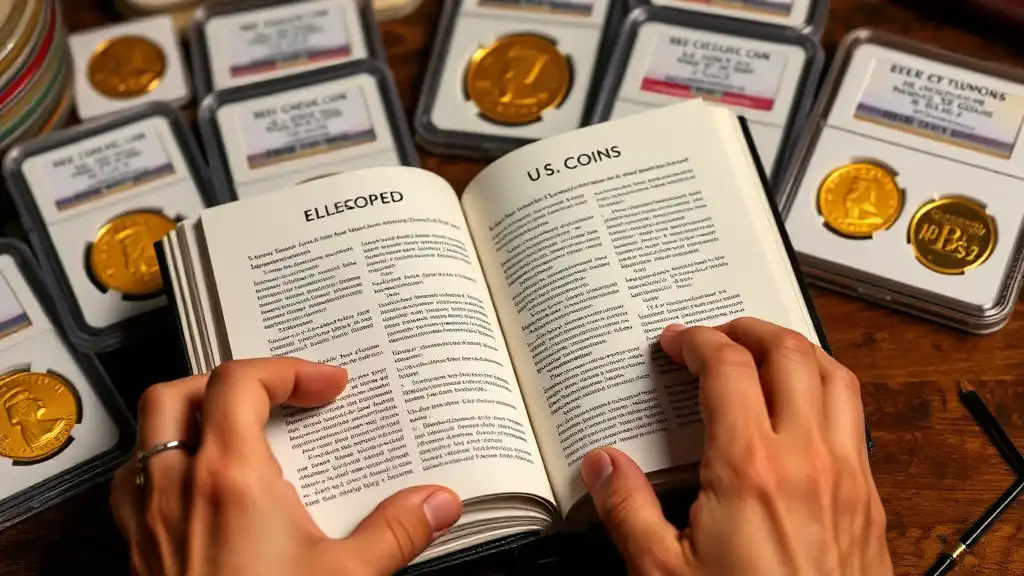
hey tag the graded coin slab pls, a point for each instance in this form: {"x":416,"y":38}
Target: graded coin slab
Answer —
{"x":24,"y":26}
{"x":60,"y":114}
{"x":551,"y":49}
{"x":237,"y":44}
{"x":24,"y":115}
{"x":947,"y":127}
{"x":26,"y":76}
{"x":32,"y":94}
{"x":63,"y":425}
{"x":69,"y":186}
{"x":766,"y":74}
{"x":276,"y":134}
{"x":804,"y":16}
{"x":127,"y":64}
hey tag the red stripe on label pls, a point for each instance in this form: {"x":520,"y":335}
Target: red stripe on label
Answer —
{"x":686,"y":91}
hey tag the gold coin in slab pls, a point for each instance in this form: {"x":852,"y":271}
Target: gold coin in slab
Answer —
{"x":859,"y":199}
{"x":122,"y":257}
{"x":37,"y":412}
{"x":517,"y":78}
{"x":952,"y":235}
{"x":127,"y":67}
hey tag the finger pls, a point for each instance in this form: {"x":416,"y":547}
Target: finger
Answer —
{"x":126,"y":504}
{"x":791,"y":376}
{"x":125,"y":501}
{"x":241,"y":393}
{"x":631,"y":512}
{"x":400,"y":529}
{"x":167,"y":412}
{"x":731,"y":400}
{"x":843,"y":407}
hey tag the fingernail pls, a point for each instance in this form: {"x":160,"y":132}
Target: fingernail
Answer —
{"x":595,"y":468}
{"x":442,"y":510}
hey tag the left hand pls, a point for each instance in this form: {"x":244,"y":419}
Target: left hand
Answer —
{"x":228,"y":510}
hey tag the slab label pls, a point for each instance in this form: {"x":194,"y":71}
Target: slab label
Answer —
{"x":717,"y":71}
{"x":306,"y":126}
{"x":285,"y":38}
{"x":942,"y":106}
{"x":107,"y":165}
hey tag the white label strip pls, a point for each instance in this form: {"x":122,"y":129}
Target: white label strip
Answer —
{"x":941,"y":107}
{"x":715,"y":71}
{"x":306,"y":127}
{"x":110,"y":166}
{"x":273,"y":42}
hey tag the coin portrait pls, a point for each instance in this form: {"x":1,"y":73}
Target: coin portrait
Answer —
{"x":859,"y":199}
{"x":517,"y":78}
{"x":127,"y":67}
{"x":952,"y":235}
{"x":37,"y":413}
{"x":122,"y":257}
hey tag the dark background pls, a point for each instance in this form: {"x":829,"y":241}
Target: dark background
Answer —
{"x":934,"y":469}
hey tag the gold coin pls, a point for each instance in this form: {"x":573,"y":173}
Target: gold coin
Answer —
{"x":127,"y":67}
{"x":517,"y":78}
{"x":37,"y":412}
{"x":860,"y":199}
{"x":952,"y":235}
{"x":123,"y":259}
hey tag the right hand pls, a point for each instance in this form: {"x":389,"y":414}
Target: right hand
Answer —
{"x":786,"y":488}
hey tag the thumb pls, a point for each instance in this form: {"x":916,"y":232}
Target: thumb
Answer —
{"x":627,"y":505}
{"x":401,"y":528}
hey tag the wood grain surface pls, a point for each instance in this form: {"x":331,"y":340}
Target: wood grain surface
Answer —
{"x":934,"y":469}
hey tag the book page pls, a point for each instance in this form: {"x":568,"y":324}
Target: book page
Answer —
{"x":593,"y":242}
{"x":375,"y":271}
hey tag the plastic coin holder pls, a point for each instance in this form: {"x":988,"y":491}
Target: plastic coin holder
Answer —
{"x":128,"y":64}
{"x":63,"y":428}
{"x":899,"y":130}
{"x":388,"y":10}
{"x":275,"y":134}
{"x":805,"y":16}
{"x":579,"y":34}
{"x":384,"y":10}
{"x":71,"y":186}
{"x":765,"y":73}
{"x":236,"y":44}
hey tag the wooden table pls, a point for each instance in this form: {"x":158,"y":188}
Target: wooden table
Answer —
{"x":934,"y":468}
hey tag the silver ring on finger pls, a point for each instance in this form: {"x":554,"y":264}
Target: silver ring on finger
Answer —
{"x":144,"y":456}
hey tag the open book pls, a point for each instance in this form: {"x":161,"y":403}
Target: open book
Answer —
{"x":491,"y":342}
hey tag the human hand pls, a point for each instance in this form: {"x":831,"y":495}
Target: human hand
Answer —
{"x":228,"y":509}
{"x":785,"y":484}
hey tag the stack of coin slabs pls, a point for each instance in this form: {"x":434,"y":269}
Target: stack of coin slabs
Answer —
{"x":805,"y":16}
{"x":904,"y":189}
{"x":123,"y":65}
{"x":240,"y":44}
{"x":764,"y":73}
{"x":507,"y":72}
{"x":35,"y":79}
{"x":180,"y":10}
{"x":62,"y":426}
{"x":93,"y":199}
{"x":272,"y":135}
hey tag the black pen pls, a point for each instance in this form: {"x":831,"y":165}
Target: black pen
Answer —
{"x":984,"y":417}
{"x":947,"y":560}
